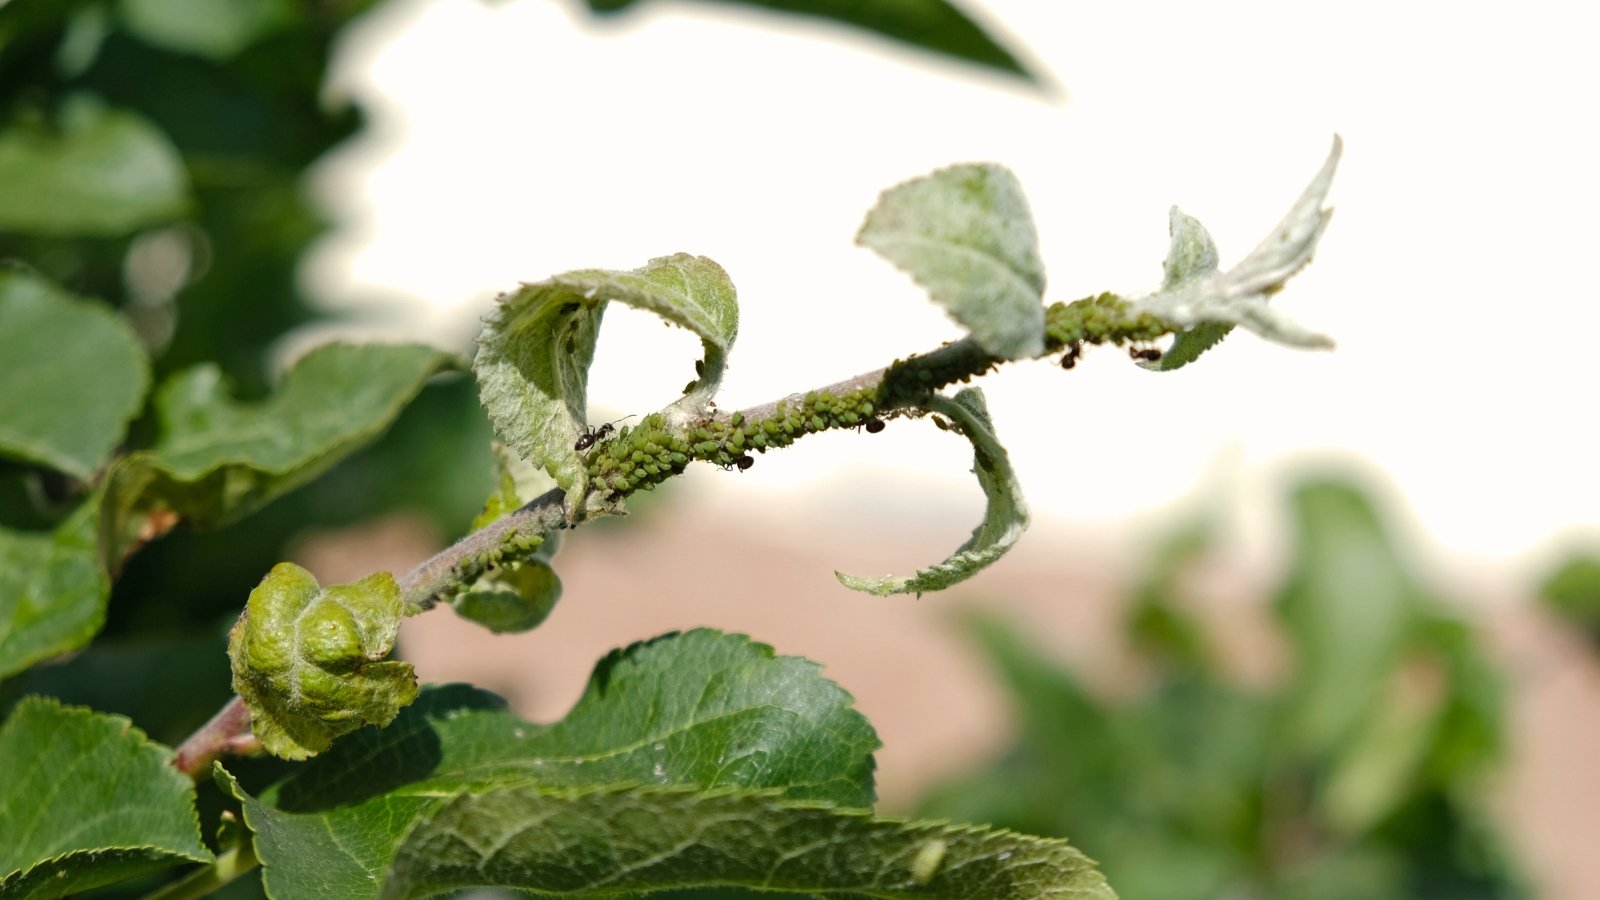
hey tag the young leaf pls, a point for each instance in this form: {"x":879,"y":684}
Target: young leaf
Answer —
{"x":1005,"y":517}
{"x":307,"y":661}
{"x":700,"y":710}
{"x":53,"y":590}
{"x":536,"y":347}
{"x":1239,"y":296}
{"x":74,"y":374}
{"x":965,"y":234}
{"x":100,"y":171}
{"x":933,"y":25}
{"x":1192,"y":255}
{"x":599,"y":843}
{"x":218,"y":460}
{"x":515,"y":596}
{"x":86,"y":801}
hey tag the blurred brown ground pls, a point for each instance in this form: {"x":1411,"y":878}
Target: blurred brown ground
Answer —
{"x":934,"y":704}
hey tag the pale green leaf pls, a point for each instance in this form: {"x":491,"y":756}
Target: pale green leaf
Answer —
{"x":536,"y":347}
{"x":1239,"y":296}
{"x":518,"y":590}
{"x":965,"y":234}
{"x":599,"y":843}
{"x":53,"y":590}
{"x":213,"y":28}
{"x":1005,"y":516}
{"x":87,"y":800}
{"x":74,"y":375}
{"x":1192,"y":255}
{"x":700,"y":710}
{"x":218,"y":459}
{"x":309,"y":662}
{"x":933,"y":25}
{"x":99,"y":171}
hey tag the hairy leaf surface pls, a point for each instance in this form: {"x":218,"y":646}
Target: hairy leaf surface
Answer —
{"x":965,"y":234}
{"x":309,"y":662}
{"x":1192,"y":255}
{"x":99,"y":171}
{"x":218,"y":459}
{"x":536,"y":347}
{"x":73,"y":372}
{"x":1005,"y":516}
{"x":53,"y":590}
{"x":87,"y":800}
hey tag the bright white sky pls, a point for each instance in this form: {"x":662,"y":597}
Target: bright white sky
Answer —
{"x":513,"y":140}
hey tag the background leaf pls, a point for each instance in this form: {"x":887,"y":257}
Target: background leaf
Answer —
{"x":1005,"y":516}
{"x":74,"y":375}
{"x":205,"y":27}
{"x":99,"y":171}
{"x":965,"y":234}
{"x":53,"y":590}
{"x":87,"y":801}
{"x":217,"y":459}
{"x":933,"y":25}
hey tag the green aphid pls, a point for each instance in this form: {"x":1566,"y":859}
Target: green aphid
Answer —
{"x":737,"y":419}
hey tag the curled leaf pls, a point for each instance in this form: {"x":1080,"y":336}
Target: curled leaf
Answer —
{"x":536,"y":347}
{"x":965,"y":234}
{"x":1005,"y":516}
{"x":1239,"y":296}
{"x":309,"y":662}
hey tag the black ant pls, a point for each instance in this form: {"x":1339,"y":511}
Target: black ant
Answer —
{"x":1074,"y":353}
{"x":743,"y":461}
{"x":1147,"y":354}
{"x":592,"y":436}
{"x":874,"y":426}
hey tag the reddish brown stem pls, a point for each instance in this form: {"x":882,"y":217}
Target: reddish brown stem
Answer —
{"x":227,"y":732}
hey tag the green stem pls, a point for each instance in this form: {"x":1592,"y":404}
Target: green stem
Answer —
{"x":202,"y":882}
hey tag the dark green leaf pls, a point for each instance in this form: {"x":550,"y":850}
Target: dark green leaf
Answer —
{"x":536,"y":347}
{"x":310,"y":662}
{"x":87,"y":800}
{"x":1005,"y":516}
{"x":205,"y":27}
{"x":1573,"y":592}
{"x":599,"y":843}
{"x":74,"y":374}
{"x":700,"y":710}
{"x":965,"y":234}
{"x":933,"y":25}
{"x":101,"y":171}
{"x":218,"y":459}
{"x":53,"y":590}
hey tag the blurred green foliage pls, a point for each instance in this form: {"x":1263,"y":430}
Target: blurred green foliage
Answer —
{"x":1356,"y":774}
{"x":1572,"y":592}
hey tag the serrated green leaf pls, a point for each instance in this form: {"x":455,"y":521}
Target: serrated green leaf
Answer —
{"x":74,"y":375}
{"x":1348,"y":605}
{"x":1192,"y":255}
{"x":218,"y":459}
{"x":536,"y":347}
{"x":596,"y":844}
{"x":100,"y":171}
{"x":702,"y":710}
{"x":309,"y":662}
{"x":87,"y":800}
{"x":1005,"y":516}
{"x":933,"y":25}
{"x":53,"y":590}
{"x":1239,"y":295}
{"x":204,"y":27}
{"x":965,"y":234}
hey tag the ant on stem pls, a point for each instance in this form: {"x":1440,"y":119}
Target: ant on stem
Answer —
{"x":592,"y":436}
